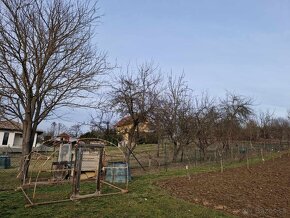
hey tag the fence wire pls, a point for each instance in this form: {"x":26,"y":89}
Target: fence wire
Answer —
{"x":152,"y":158}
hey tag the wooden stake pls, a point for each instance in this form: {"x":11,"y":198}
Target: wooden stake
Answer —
{"x":149,"y":160}
{"x":262,"y":155}
{"x":195,"y":157}
{"x":98,"y":178}
{"x":248,"y":164}
{"x":188,"y":175}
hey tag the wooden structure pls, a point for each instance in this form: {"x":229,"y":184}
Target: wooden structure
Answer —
{"x":93,"y":161}
{"x":69,"y":168}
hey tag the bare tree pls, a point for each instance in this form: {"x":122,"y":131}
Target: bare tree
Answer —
{"x":176,"y":115}
{"x":51,"y":132}
{"x":101,"y":125}
{"x":251,"y":130}
{"x":75,"y":130}
{"x":280,"y":128}
{"x":102,"y":120}
{"x":234,"y":110}
{"x":265,"y":121}
{"x":136,"y":95}
{"x":206,"y":118}
{"x":47,"y":60}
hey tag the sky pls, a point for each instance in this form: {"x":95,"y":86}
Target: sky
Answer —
{"x":241,"y":46}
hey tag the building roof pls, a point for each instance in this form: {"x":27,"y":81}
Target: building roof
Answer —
{"x":13,"y":126}
{"x":10,"y":125}
{"x":125,"y":121}
{"x":64,"y":135}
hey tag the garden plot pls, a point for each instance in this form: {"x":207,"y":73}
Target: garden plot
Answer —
{"x":261,"y":191}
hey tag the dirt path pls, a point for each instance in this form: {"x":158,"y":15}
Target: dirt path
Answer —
{"x":264,"y":191}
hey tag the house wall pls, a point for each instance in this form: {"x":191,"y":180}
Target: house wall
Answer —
{"x":124,"y":130}
{"x":10,"y":138}
{"x":15,"y":139}
{"x":18,"y":140}
{"x":1,"y":137}
{"x":34,"y":140}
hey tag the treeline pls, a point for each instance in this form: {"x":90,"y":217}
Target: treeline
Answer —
{"x":185,"y":118}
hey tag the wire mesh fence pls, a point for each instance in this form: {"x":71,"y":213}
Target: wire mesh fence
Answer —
{"x":161,"y":157}
{"x":149,"y":157}
{"x":9,"y":169}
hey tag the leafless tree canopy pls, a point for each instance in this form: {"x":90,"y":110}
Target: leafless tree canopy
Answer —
{"x":136,"y":94}
{"x":46,"y":58}
{"x":56,"y":129}
{"x":234,"y":110}
{"x":176,"y":114}
{"x":75,"y":130}
{"x":206,"y":117}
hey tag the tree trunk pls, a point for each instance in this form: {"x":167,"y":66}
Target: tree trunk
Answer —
{"x":127,"y":156}
{"x":159,"y":141}
{"x":203,"y":149}
{"x":27,"y":143}
{"x":176,"y":151}
{"x":158,"y":149}
{"x":181,"y":157}
{"x":128,"y":150}
{"x":202,"y":145}
{"x":132,"y":138}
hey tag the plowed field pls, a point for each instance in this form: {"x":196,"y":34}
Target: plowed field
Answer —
{"x":262,"y":191}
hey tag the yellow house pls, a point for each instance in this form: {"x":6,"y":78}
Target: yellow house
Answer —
{"x":124,"y":125}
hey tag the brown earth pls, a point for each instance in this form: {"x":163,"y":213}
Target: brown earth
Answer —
{"x":262,"y":191}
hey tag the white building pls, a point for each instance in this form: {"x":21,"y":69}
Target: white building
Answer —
{"x":11,"y":134}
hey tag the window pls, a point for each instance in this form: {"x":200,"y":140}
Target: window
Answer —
{"x":5,"y":138}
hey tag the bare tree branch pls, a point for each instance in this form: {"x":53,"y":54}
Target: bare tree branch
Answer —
{"x":46,"y":59}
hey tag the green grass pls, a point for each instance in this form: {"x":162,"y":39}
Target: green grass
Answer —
{"x":143,"y":200}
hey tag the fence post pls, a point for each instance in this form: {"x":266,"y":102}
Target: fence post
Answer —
{"x":262,"y":155}
{"x":247,"y":155}
{"x":222,"y":166}
{"x":195,"y":157}
{"x":165,"y":157}
{"x":149,"y":160}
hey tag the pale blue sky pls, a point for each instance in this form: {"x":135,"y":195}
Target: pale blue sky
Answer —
{"x":236,"y":45}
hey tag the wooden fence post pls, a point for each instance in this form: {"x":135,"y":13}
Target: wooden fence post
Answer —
{"x":262,"y":155}
{"x":195,"y":157}
{"x":247,"y":155}
{"x":77,"y":171}
{"x":222,"y":166}
{"x":98,"y":179}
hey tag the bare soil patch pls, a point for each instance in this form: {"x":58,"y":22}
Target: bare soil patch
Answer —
{"x":262,"y":191}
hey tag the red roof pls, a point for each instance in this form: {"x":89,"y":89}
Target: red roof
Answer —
{"x":124,"y":121}
{"x":127,"y":120}
{"x":64,"y":135}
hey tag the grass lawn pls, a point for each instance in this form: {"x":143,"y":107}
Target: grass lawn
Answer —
{"x":143,"y":200}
